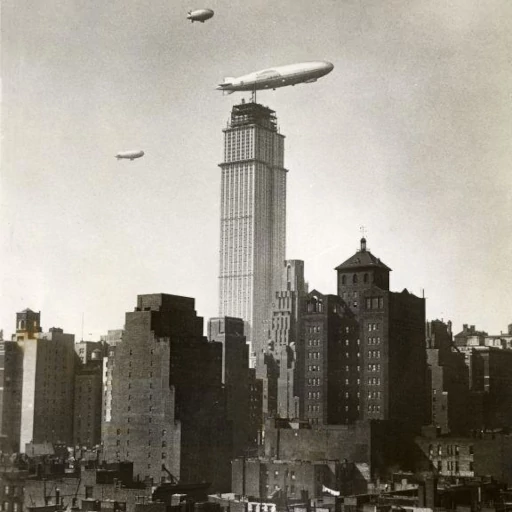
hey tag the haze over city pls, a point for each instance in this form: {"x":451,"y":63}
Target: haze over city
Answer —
{"x":409,"y":136}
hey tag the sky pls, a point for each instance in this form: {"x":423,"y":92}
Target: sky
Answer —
{"x":409,"y":136}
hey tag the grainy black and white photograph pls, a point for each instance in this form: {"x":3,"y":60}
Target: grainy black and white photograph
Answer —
{"x":256,"y":256}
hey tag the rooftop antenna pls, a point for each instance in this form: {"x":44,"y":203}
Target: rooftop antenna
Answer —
{"x":253,"y":95}
{"x":82,"y":326}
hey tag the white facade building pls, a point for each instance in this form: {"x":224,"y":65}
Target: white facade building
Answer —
{"x":253,"y":219}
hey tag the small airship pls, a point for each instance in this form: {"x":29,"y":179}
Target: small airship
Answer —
{"x":304,"y":72}
{"x":200,"y":15}
{"x":129,"y":155}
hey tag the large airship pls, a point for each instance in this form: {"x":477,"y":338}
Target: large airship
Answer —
{"x":304,"y":72}
{"x":129,"y":155}
{"x":200,"y":15}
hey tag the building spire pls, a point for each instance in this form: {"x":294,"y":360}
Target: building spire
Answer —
{"x":363,"y":239}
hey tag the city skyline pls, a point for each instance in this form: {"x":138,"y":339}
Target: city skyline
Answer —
{"x":411,"y":124}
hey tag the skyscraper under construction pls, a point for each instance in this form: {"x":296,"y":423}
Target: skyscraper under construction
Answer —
{"x":253,"y":219}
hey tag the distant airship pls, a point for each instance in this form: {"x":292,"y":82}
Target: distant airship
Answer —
{"x":304,"y":72}
{"x":200,"y":15}
{"x":129,"y":155}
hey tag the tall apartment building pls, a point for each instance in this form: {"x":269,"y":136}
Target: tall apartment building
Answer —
{"x":88,"y":401}
{"x":392,"y":359}
{"x":168,"y":411}
{"x":44,"y":380}
{"x":253,"y":219}
{"x":235,"y":376}
{"x":332,"y":373}
{"x":449,"y":380}
{"x":11,"y":361}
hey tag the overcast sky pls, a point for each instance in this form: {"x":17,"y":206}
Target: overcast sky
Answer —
{"x":410,"y":136}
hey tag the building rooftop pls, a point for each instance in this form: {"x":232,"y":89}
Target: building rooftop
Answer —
{"x":362,"y":259}
{"x":253,"y":113}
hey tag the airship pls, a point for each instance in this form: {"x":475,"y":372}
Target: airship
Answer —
{"x":129,"y":155}
{"x":199,"y":15}
{"x":304,"y":72}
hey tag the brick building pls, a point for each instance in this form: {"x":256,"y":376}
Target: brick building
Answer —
{"x":331,"y":361}
{"x":11,"y":373}
{"x":484,"y":454}
{"x":168,"y":410}
{"x":449,"y":380}
{"x":235,"y":376}
{"x":262,"y":478}
{"x":88,"y":402}
{"x":391,"y":333}
{"x":492,"y":377}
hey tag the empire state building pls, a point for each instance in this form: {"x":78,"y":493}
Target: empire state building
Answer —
{"x":253,"y":219}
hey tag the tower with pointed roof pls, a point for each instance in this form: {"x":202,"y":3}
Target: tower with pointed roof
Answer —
{"x":391,"y":361}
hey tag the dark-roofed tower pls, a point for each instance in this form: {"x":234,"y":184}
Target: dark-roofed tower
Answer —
{"x":390,"y":365}
{"x":359,"y":272}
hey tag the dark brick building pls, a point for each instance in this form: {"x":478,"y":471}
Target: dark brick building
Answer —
{"x":11,"y":372}
{"x":484,"y":454}
{"x":391,"y":334}
{"x":492,"y":377}
{"x":168,"y":410}
{"x":88,"y":402}
{"x":449,"y":380}
{"x":235,"y":376}
{"x":331,"y":361}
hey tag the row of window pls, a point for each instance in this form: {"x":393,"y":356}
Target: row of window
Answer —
{"x":355,"y":279}
{"x":450,"y":449}
{"x":374,"y":381}
{"x":314,"y":355}
{"x":314,"y":395}
{"x":373,"y":327}
{"x":118,"y":443}
{"x":374,"y":367}
{"x":164,"y":431}
{"x":374,"y":303}
{"x":314,"y":328}
{"x":314,"y":382}
{"x":374,"y":354}
{"x":314,"y":343}
{"x":374,"y":341}
{"x":373,"y":408}
{"x":313,"y":408}
{"x":313,"y":368}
